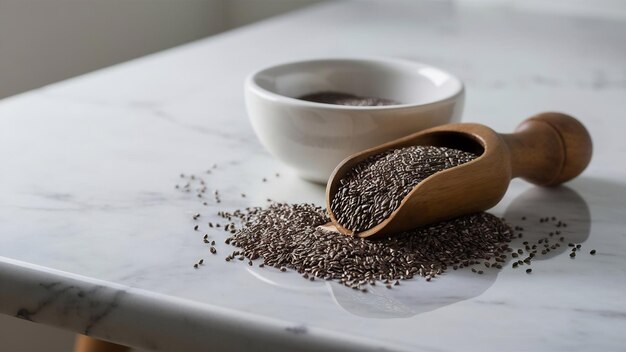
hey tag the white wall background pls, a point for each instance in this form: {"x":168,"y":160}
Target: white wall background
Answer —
{"x":44,"y":41}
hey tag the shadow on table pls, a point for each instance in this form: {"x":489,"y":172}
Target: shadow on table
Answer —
{"x":417,"y":296}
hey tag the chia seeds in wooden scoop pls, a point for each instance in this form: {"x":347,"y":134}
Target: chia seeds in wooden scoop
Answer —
{"x":374,"y":188}
{"x":547,"y":149}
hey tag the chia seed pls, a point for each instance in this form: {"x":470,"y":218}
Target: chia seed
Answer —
{"x":287,"y":236}
{"x":374,"y":188}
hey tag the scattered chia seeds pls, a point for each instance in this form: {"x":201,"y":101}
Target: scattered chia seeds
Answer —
{"x":374,"y":188}
{"x":286,"y":236}
{"x":337,"y":98}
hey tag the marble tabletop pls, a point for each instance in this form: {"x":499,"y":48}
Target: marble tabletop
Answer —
{"x":94,"y":237}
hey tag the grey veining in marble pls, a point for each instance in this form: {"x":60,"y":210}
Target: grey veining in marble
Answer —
{"x":94,"y":237}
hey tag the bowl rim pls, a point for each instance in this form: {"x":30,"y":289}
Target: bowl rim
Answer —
{"x":251,"y":84}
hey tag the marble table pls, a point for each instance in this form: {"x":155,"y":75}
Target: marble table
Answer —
{"x":94,"y":237}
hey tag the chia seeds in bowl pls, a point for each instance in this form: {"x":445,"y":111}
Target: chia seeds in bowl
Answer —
{"x":337,"y":98}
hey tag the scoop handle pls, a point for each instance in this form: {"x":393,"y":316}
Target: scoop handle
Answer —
{"x":549,"y":149}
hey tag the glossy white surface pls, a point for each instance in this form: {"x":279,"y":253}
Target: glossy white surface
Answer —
{"x":313,"y":138}
{"x":94,"y":237}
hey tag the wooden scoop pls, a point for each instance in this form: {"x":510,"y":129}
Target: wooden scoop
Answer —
{"x":547,"y":149}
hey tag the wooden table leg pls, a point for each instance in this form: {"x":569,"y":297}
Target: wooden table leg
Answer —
{"x":88,"y":344}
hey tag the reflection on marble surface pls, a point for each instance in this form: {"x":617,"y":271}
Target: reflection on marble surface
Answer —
{"x":417,"y":296}
{"x":458,"y":285}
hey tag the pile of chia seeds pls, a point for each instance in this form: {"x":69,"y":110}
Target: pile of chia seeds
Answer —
{"x":286,"y":236}
{"x":374,"y":188}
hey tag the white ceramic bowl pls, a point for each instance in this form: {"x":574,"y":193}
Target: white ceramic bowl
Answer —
{"x":313,"y":138}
